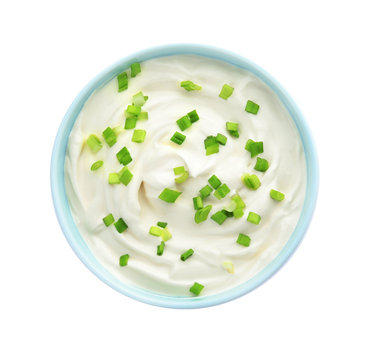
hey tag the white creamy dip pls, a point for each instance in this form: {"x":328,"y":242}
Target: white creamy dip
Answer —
{"x":91,"y":197}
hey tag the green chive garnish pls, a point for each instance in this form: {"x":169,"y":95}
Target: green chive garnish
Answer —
{"x":238,"y":213}
{"x":109,"y":136}
{"x":221,"y":139}
{"x":138,"y":136}
{"x":219,"y":217}
{"x":228,"y":265}
{"x":193,"y":116}
{"x":94,"y":143}
{"x":196,"y":288}
{"x":120,"y":225}
{"x":122,"y":82}
{"x":243,"y":240}
{"x":138,"y":99}
{"x":261,"y":164}
{"x":202,"y":214}
{"x":108,"y":220}
{"x":161,"y":224}
{"x":226,"y":91}
{"x":251,"y":181}
{"x":182,"y":178}
{"x":190,"y":85}
{"x":160,"y":248}
{"x":143,"y":116}
{"x":214,"y":181}
{"x":96,"y":165}
{"x":277,"y":195}
{"x":197,"y":203}
{"x":209,"y":141}
{"x":212,"y":149}
{"x":130,"y":123}
{"x":222,"y":191}
{"x":178,"y":138}
{"x":254,"y":147}
{"x":179,"y":170}
{"x":134,"y":110}
{"x":125,"y":175}
{"x":123,"y":260}
{"x":184,"y":123}
{"x":187,"y":254}
{"x":124,"y":156}
{"x":169,"y":195}
{"x":253,"y":218}
{"x":114,"y":178}
{"x":135,"y":69}
{"x":205,"y":191}
{"x":238,"y":201}
{"x":155,"y":231}
{"x":251,"y":107}
{"x":232,"y":128}
{"x":166,"y":235}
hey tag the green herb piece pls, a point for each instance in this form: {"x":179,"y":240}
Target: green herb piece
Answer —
{"x":228,"y":265}
{"x":190,"y":85}
{"x":179,"y":170}
{"x":124,"y":156}
{"x":120,"y":225}
{"x":228,"y":213}
{"x":122,"y":82}
{"x":94,"y":143}
{"x":184,"y":123}
{"x":193,"y":116}
{"x":169,"y":195}
{"x":238,"y":201}
{"x":226,"y":91}
{"x":219,"y":217}
{"x":166,"y":235}
{"x":254,"y":147}
{"x":209,"y":141}
{"x":161,"y":224}
{"x":251,"y":181}
{"x":277,"y":195}
{"x":261,"y":164}
{"x":114,"y":178}
{"x":205,"y":191}
{"x":138,"y":99}
{"x":108,"y":220}
{"x":182,"y":178}
{"x":143,"y":116}
{"x":130,"y":123}
{"x":109,"y":136}
{"x":123,"y":260}
{"x":138,"y":136}
{"x":178,"y":138}
{"x":133,"y":110}
{"x":222,"y":191}
{"x":243,"y":240}
{"x":214,"y":181}
{"x":238,"y":213}
{"x":221,"y":139}
{"x":196,"y":288}
{"x":96,"y":165}
{"x":251,"y":107}
{"x":125,"y":176}
{"x":187,"y":254}
{"x":118,"y":130}
{"x":202,"y":214}
{"x":212,"y":149}
{"x":135,"y":69}
{"x":155,"y":231}
{"x":232,"y":128}
{"x":197,"y":203}
{"x":253,"y":218}
{"x":160,"y":248}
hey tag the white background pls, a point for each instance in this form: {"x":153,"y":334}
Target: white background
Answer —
{"x":319,"y":306}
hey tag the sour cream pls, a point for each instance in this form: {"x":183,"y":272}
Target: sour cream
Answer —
{"x":91,"y":197}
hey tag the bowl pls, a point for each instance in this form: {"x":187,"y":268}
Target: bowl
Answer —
{"x":78,"y":244}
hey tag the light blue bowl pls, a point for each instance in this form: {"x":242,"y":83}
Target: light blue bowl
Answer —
{"x":80,"y":247}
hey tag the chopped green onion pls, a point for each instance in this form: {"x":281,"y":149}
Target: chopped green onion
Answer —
{"x":212,"y":149}
{"x":205,"y":191}
{"x":254,"y":147}
{"x":160,"y":248}
{"x":135,"y":69}
{"x":197,"y":203}
{"x":143,"y":116}
{"x":214,"y":181}
{"x":196,"y":288}
{"x":120,"y":225}
{"x":261,"y":164}
{"x":124,"y":156}
{"x":123,"y":260}
{"x":138,"y":99}
{"x":166,"y":235}
{"x":251,"y":181}
{"x":161,"y":224}
{"x":94,"y":143}
{"x":178,"y":138}
{"x":122,"y":82}
{"x":169,"y":195}
{"x":232,"y":128}
{"x":118,"y":130}
{"x":114,"y":178}
{"x":155,"y":231}
{"x":209,"y":141}
{"x":187,"y":254}
{"x":130,"y":123}
{"x":226,"y":91}
{"x":108,"y":220}
{"x":193,"y":116}
{"x":109,"y":136}
{"x":202,"y":214}
{"x":253,"y":218}
{"x":221,"y":139}
{"x":277,"y":195}
{"x":190,"y":85}
{"x":179,"y":170}
{"x":243,"y":240}
{"x":228,"y":213}
{"x":222,"y":191}
{"x":238,"y":213}
{"x":251,"y":107}
{"x":134,"y":110}
{"x":96,"y":165}
{"x":125,"y":175}
{"x":238,"y":201}
{"x":184,"y":123}
{"x":219,"y":217}
{"x":228,"y":265}
{"x":138,"y":136}
{"x":182,"y":178}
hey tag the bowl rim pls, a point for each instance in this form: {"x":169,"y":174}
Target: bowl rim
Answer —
{"x":76,"y":241}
